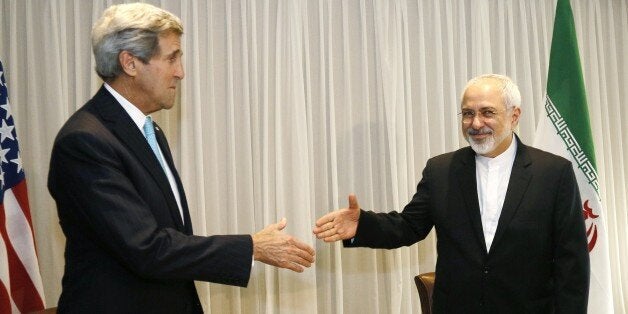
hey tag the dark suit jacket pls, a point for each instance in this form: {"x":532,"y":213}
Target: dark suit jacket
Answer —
{"x":538,"y":261}
{"x":127,"y":249}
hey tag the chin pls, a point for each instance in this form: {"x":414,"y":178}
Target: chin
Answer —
{"x":489,"y":144}
{"x":167,"y":106}
{"x":482,"y":147}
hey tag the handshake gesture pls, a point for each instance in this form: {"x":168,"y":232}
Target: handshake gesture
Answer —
{"x":273,"y":247}
{"x":341,"y":224}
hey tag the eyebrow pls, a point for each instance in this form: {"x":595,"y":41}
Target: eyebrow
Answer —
{"x":175,"y":53}
{"x":482,"y":108}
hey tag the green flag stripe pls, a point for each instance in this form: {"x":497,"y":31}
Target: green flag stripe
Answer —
{"x":565,"y":83}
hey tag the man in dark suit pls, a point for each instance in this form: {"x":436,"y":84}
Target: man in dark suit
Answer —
{"x":121,"y":204}
{"x":508,"y":217}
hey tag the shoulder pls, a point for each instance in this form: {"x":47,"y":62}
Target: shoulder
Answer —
{"x":85,"y":129}
{"x":540,"y":157}
{"x":83,"y":121}
{"x":462,"y":155}
{"x":89,"y":119}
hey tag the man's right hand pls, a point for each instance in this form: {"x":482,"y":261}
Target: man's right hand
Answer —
{"x":273,"y":247}
{"x":341,"y":224}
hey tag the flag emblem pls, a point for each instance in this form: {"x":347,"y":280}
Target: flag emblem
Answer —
{"x":592,"y":227}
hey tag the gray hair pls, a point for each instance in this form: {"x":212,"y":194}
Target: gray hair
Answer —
{"x":134,"y":27}
{"x":510,"y":92}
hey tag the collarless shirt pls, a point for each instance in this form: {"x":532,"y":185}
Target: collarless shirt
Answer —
{"x":492,"y":176}
{"x":139,"y":119}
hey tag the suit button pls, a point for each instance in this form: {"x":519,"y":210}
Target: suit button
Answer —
{"x":486,"y":270}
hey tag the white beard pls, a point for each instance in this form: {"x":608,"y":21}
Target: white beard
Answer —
{"x":488,"y":144}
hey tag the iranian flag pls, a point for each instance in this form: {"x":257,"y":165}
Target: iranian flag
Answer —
{"x":564,"y":130}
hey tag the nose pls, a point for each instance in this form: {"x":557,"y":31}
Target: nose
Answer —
{"x":179,"y":72}
{"x":477,"y":122}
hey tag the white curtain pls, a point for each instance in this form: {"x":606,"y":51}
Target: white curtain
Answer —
{"x":288,"y":106}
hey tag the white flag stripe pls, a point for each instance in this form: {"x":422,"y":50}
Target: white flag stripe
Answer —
{"x":21,"y":236}
{"x":547,"y":138}
{"x":4,"y":274}
{"x":4,"y":266}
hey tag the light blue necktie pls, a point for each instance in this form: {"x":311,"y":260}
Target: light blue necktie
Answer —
{"x":149,"y":131}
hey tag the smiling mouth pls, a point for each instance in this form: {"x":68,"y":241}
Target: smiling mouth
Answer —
{"x":479,"y":136}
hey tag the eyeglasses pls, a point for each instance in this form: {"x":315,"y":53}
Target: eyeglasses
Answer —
{"x":485,"y":114}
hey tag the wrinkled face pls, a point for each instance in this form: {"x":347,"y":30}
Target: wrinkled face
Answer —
{"x":157,"y":80}
{"x":486,"y":123}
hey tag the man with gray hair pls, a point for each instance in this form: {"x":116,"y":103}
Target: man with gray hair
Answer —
{"x":120,"y":201}
{"x":509,"y":226}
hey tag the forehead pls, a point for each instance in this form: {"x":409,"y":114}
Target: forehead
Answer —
{"x":169,"y":43}
{"x":483,"y":94}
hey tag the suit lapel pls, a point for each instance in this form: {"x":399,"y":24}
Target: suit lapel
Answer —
{"x":465,"y":174}
{"x":119,"y":122}
{"x":165,"y":149}
{"x":517,"y":186}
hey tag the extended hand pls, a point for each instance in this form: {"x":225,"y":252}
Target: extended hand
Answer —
{"x":340,"y":224}
{"x":273,"y":247}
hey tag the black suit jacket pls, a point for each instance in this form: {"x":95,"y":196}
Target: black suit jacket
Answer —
{"x":538,"y":261}
{"x":127,"y":248}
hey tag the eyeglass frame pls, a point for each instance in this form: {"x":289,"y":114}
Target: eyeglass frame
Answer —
{"x":485,"y":114}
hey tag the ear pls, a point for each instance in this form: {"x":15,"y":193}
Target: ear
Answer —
{"x":127,"y":62}
{"x":516,"y":112}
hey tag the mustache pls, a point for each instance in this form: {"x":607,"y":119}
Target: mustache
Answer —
{"x":484,"y":130}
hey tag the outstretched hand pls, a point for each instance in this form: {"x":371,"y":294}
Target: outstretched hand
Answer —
{"x":341,"y":224}
{"x":273,"y":247}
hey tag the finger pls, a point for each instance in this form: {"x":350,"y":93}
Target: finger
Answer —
{"x":326,"y":233}
{"x":294,"y":267}
{"x":297,"y":259}
{"x":292,"y":260}
{"x":300,"y":257}
{"x":305,"y":252}
{"x":325,"y":219}
{"x":281,"y":224}
{"x":353,"y":202}
{"x":324,"y":227}
{"x":317,"y":230}
{"x":332,"y":238}
{"x":304,"y":248}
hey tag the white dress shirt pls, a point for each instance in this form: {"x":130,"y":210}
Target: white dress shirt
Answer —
{"x":493,"y":175}
{"x":139,"y":119}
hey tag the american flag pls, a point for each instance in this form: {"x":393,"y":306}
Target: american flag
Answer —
{"x":21,"y":289}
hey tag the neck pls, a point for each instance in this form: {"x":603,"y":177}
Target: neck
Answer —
{"x":125,"y":86}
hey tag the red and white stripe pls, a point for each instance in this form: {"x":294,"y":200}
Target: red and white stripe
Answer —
{"x":21,"y":287}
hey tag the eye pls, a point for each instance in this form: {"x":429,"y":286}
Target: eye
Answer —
{"x":468,"y":113}
{"x":488,"y":113}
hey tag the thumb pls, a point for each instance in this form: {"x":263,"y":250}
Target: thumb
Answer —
{"x":353,"y":202}
{"x":281,"y":224}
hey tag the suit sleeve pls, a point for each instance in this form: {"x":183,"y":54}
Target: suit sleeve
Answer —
{"x":393,"y":229}
{"x":100,"y":209}
{"x":571,"y":256}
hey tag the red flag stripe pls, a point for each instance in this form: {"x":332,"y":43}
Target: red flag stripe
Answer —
{"x":23,"y":291}
{"x":5,"y":303}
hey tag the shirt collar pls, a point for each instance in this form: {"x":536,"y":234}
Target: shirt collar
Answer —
{"x":138,"y":117}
